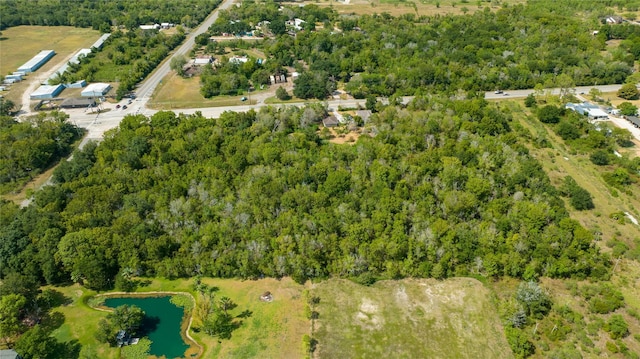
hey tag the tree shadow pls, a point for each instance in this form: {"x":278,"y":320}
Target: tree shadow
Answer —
{"x":142,"y":283}
{"x":52,"y":321}
{"x":51,"y":298}
{"x":67,"y":350}
{"x":246,"y":314}
{"x":148,"y":325}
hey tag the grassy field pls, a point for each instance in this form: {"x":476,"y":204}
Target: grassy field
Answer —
{"x":19,"y":44}
{"x":176,"y":92}
{"x":80,"y":323}
{"x":408,"y":319}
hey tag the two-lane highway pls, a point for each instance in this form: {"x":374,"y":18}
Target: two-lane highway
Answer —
{"x":146,"y":88}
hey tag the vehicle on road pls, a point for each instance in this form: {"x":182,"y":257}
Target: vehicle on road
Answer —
{"x":117,"y":106}
{"x":124,"y":107}
{"x":505,"y":94}
{"x":498,"y":92}
{"x":243,"y":99}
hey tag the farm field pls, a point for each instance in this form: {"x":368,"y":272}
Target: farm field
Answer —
{"x":412,"y":318}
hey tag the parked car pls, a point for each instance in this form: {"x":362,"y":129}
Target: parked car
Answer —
{"x":117,"y":106}
{"x":243,"y":98}
{"x":124,"y":107}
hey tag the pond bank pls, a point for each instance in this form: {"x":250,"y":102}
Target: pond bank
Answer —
{"x":194,"y":349}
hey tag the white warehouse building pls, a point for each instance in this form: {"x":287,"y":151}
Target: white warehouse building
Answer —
{"x":96,"y":90}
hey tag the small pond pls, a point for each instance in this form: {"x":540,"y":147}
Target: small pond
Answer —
{"x":161,"y":324}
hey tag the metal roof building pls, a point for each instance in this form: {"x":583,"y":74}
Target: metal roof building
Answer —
{"x":40,"y":59}
{"x":46,"y":92}
{"x":78,"y":103}
{"x":98,"y":44}
{"x":74,"y":60}
{"x":587,"y":109}
{"x":96,"y":90}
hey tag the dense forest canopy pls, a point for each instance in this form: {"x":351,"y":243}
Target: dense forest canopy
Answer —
{"x":443,"y":189}
{"x":101,"y":15}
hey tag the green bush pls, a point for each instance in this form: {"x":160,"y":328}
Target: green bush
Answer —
{"x":617,"y":327}
{"x":549,"y":114}
{"x":600,"y":158}
{"x":519,"y":342}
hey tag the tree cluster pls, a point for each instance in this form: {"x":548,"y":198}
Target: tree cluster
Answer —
{"x":27,"y":148}
{"x":125,"y":317}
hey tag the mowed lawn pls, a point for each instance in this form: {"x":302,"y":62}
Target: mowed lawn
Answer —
{"x":81,"y":322}
{"x":411,"y":318}
{"x":19,"y":44}
{"x":273,"y":330}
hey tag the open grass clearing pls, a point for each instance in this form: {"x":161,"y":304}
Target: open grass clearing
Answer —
{"x":175,"y":92}
{"x":81,"y":322}
{"x":408,"y":318}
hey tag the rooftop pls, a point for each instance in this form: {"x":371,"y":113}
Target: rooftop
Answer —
{"x":36,"y":59}
{"x":45,"y":90}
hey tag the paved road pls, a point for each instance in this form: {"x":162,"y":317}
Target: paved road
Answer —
{"x":145,"y":90}
{"x":98,"y":124}
{"x":555,"y":91}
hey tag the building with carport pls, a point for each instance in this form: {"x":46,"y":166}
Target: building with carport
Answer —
{"x":46,"y":92}
{"x":96,"y":90}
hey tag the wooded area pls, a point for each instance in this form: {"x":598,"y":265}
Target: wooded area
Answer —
{"x":101,"y":15}
{"x":442,"y":190}
{"x":517,"y":47}
{"x":27,"y":148}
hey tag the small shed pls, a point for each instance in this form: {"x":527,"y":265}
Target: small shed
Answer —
{"x":14,"y":77}
{"x":76,"y":85}
{"x":330,"y":121}
{"x":46,"y":92}
{"x":96,"y":90}
{"x":635,"y":121}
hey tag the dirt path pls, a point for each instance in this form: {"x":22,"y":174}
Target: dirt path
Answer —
{"x":35,"y":80}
